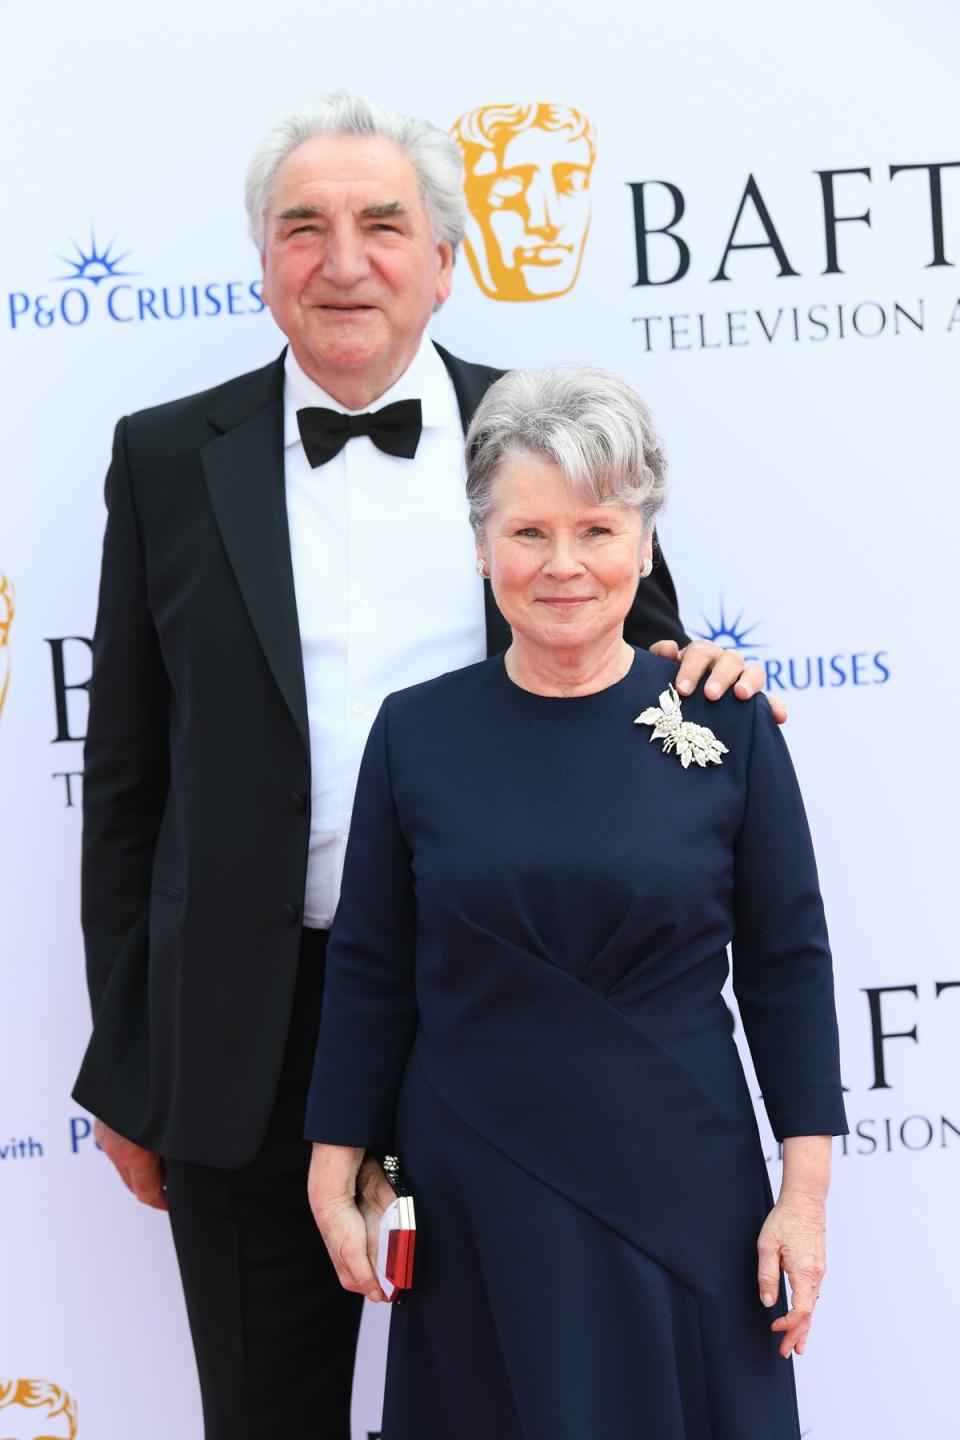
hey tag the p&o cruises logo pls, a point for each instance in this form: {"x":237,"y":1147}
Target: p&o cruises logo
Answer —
{"x":805,"y":672}
{"x":99,"y":284}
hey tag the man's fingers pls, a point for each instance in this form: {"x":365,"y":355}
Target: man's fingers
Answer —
{"x":727,"y":671}
{"x":751,"y":682}
{"x":124,"y":1172}
{"x":155,"y":1198}
{"x":696,"y":659}
{"x":140,"y":1170}
{"x":147,"y":1179}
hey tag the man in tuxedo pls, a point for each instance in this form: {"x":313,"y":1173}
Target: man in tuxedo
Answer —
{"x":276,"y":560}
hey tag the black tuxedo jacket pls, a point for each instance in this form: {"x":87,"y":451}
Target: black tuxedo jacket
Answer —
{"x":197,"y":770}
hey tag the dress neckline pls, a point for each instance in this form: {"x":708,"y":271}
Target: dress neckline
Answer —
{"x":567,"y":699}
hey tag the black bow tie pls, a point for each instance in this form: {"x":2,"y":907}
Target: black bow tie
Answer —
{"x":394,"y":429}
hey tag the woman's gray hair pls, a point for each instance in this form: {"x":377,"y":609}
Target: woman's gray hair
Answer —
{"x":434,"y":154}
{"x":588,"y":422}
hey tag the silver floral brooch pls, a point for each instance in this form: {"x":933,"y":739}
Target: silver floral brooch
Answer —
{"x":691,"y":742}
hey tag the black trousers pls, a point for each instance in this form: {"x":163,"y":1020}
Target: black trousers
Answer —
{"x":273,"y":1332}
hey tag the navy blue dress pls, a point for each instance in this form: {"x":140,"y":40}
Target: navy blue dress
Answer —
{"x":523,"y":1001}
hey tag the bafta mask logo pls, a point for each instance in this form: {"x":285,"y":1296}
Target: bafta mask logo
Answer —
{"x":527,"y":188}
{"x":6,"y":620}
{"x":36,"y":1410}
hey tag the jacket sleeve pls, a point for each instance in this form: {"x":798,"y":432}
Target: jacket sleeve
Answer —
{"x":369,"y":998}
{"x":782,"y":970}
{"x":126,"y":759}
{"x":654,"y":614}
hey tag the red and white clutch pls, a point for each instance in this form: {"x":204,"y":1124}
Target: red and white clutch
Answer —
{"x":398,"y":1237}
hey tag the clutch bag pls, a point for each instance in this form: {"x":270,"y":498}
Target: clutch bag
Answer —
{"x":398,"y":1237}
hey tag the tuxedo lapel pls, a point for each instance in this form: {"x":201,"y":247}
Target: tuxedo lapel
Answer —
{"x":244,"y":472}
{"x":470,"y":384}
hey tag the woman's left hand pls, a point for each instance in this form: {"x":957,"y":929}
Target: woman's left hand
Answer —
{"x":348,"y":1194}
{"x":793,"y":1239}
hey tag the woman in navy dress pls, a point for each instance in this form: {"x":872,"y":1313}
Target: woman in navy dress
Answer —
{"x":550,"y":853}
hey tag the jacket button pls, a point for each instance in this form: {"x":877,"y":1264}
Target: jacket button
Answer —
{"x":291,"y":913}
{"x":298,"y":801}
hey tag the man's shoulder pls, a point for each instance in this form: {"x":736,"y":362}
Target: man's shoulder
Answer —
{"x":222,"y":404}
{"x":471,"y":381}
{"x":488,"y":373}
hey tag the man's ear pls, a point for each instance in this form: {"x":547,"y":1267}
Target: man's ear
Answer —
{"x":445,"y":271}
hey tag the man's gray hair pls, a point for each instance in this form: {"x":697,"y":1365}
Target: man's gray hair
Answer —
{"x":434,"y":154}
{"x":588,"y":422}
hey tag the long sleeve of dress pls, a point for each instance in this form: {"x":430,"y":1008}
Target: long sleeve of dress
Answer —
{"x":369,"y":1001}
{"x":782,"y":969}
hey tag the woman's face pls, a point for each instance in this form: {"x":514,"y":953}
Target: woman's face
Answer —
{"x":564,"y":570}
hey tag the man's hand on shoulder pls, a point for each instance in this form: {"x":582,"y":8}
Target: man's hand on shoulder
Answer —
{"x":140,"y":1170}
{"x":726,"y":668}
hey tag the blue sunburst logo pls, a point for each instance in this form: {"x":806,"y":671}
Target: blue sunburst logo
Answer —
{"x":729,"y":634}
{"x":94,"y":264}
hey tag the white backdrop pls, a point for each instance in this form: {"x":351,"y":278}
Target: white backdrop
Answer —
{"x":814,"y":459}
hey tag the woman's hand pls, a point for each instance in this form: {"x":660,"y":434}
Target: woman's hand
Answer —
{"x":348,"y":1195}
{"x":793,"y":1238}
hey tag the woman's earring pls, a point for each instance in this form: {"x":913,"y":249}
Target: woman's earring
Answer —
{"x":481,"y":567}
{"x":647,"y":570}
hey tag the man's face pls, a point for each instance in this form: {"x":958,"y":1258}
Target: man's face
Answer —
{"x":533,"y":209}
{"x":351,"y":270}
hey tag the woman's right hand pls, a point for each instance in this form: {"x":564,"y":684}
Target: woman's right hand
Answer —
{"x":350,"y":1227}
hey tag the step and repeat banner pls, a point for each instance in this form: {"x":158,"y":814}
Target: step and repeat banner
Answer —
{"x":754,"y":219}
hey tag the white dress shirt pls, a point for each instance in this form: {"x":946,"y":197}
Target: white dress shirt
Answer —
{"x":386,"y":585}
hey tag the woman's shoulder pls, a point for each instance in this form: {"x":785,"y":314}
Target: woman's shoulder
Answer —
{"x":455,"y":690}
{"x":656,"y":677}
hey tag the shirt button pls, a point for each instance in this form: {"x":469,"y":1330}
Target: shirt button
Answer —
{"x":291,"y":913}
{"x":298,"y":801}
{"x":359,"y":709}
